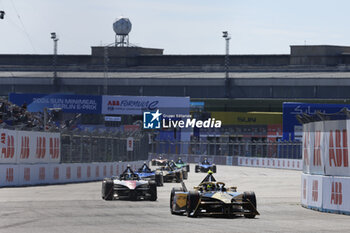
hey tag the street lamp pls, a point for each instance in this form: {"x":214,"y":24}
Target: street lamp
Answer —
{"x":227,"y":62}
{"x":54,"y":37}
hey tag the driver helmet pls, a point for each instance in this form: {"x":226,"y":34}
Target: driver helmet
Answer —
{"x":209,"y":187}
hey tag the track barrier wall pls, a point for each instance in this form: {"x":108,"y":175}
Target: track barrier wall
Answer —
{"x":36,"y":174}
{"x":325,"y":182}
{"x":295,"y":164}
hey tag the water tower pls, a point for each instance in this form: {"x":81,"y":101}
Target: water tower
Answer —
{"x":122,"y":28}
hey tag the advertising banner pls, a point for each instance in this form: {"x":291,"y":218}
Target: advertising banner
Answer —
{"x":9,"y":175}
{"x":317,"y":146}
{"x":292,"y":128}
{"x":314,"y":189}
{"x":68,"y":103}
{"x":304,"y":189}
{"x":336,"y":148}
{"x":136,"y":105}
{"x":8,"y":142}
{"x":336,"y":193}
{"x":38,"y":147}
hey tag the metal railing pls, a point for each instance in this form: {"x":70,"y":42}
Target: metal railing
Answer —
{"x":84,"y":147}
{"x":290,"y":150}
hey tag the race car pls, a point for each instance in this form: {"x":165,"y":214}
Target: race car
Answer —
{"x":181,"y":164}
{"x":172,"y":173}
{"x":128,"y":186}
{"x":160,"y":161}
{"x":205,"y":166}
{"x":146,"y":173}
{"x":212,"y":198}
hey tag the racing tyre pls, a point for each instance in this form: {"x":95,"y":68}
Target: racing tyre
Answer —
{"x":196,"y":169}
{"x":153,"y":190}
{"x":107,"y":189}
{"x":214,"y":169}
{"x":184,"y":175}
{"x":159,"y":179}
{"x":250,"y":197}
{"x":192,"y":202}
{"x":172,"y":194}
{"x":188,"y":168}
{"x":153,"y":163}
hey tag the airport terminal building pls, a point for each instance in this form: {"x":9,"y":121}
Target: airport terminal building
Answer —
{"x":255,"y":83}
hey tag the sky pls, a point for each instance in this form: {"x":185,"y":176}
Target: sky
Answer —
{"x":178,"y":27}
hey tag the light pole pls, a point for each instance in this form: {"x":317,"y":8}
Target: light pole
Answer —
{"x":54,"y":37}
{"x":227,"y":63}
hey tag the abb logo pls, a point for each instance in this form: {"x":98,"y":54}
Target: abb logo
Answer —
{"x":241,"y":161}
{"x":315,"y":190}
{"x":111,"y":170}
{"x":40,"y":147}
{"x":24,"y":147}
{"x":104,"y":170}
{"x":79,"y":172}
{"x":257,"y":162}
{"x":26,"y":175}
{"x":117,"y":170}
{"x":56,"y":173}
{"x":113,"y":103}
{"x":305,"y":148}
{"x":304,"y":189}
{"x":268,"y":162}
{"x":42,"y":173}
{"x":246,"y":161}
{"x":8,"y":150}
{"x":68,"y":172}
{"x":252,"y":162}
{"x":97,"y":171}
{"x":337,"y":194}
{"x":54,"y":148}
{"x":88,"y":171}
{"x":317,"y":149}
{"x":263,"y":162}
{"x":338,"y":152}
{"x":9,"y":174}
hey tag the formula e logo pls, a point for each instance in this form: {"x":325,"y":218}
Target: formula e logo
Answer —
{"x":151,"y":120}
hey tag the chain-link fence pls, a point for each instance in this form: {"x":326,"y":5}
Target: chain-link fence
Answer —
{"x":290,"y":150}
{"x":85,"y":147}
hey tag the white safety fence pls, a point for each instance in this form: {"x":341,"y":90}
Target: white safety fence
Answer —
{"x":326,"y":193}
{"x":294,"y":164}
{"x":36,"y":174}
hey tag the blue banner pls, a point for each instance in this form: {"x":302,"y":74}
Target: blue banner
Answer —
{"x":292,"y":129}
{"x":68,"y":103}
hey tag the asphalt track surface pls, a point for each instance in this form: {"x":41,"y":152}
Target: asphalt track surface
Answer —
{"x":79,"y":208}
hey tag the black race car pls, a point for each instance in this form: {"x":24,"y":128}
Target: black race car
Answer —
{"x":146,"y":173}
{"x":212,"y":198}
{"x":129,"y":186}
{"x":172,"y":173}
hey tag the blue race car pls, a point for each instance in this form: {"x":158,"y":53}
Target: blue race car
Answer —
{"x":145,"y":173}
{"x":205,"y":166}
